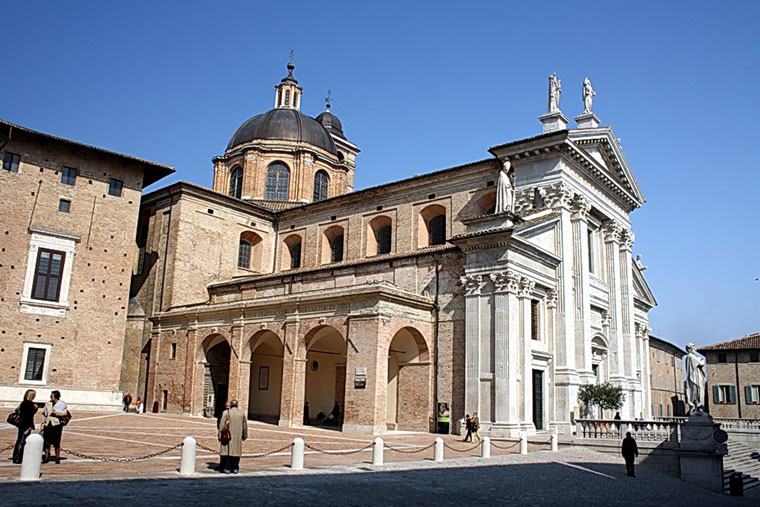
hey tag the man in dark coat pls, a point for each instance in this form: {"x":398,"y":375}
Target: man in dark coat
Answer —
{"x":630,"y":452}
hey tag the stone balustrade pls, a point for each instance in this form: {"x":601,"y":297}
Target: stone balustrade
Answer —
{"x":651,"y":430}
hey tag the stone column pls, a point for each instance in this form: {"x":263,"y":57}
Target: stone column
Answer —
{"x":293,"y":377}
{"x":581,"y":283}
{"x":646,"y":394}
{"x":553,"y":417}
{"x":191,"y":345}
{"x":524,"y":294}
{"x":611,"y":246}
{"x":506,"y":348}
{"x":626,"y":299}
{"x":472,"y":285}
{"x":365,"y":408}
{"x":236,"y":345}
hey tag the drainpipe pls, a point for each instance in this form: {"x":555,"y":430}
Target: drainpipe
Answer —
{"x":435,"y":339}
{"x":738,"y":389}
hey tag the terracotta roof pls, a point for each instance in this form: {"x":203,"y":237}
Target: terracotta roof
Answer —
{"x":748,"y":342}
{"x":276,"y":205}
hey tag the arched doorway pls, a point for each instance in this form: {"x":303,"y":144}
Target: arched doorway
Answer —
{"x":266,"y":377}
{"x":325,"y":384}
{"x":216,"y":375}
{"x":408,"y":389}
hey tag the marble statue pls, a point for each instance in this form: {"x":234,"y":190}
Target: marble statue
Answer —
{"x":505,"y":192}
{"x":555,"y":89}
{"x":588,"y":95}
{"x":694,"y":375}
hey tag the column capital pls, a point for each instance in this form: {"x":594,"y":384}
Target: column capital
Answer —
{"x":611,"y":230}
{"x":559,"y":195}
{"x":606,"y":319}
{"x":526,"y":287}
{"x":471,"y":283}
{"x":508,"y":281}
{"x":642,"y":330}
{"x":627,"y":237}
{"x":551,"y":298}
{"x":580,"y":207}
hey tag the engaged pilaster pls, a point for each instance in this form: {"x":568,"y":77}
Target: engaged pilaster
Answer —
{"x":524,"y":293}
{"x":611,"y":231}
{"x":582,"y":304}
{"x":471,"y":285}
{"x":506,"y":345}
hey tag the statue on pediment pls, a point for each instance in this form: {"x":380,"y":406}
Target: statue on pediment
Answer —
{"x":588,"y":96}
{"x":555,"y":89}
{"x":505,"y":190}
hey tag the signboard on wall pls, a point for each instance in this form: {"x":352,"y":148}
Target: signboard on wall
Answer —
{"x":360,"y":383}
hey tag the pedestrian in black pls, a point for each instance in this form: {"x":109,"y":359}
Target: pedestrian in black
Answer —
{"x":630,"y":452}
{"x":468,"y":427}
{"x":26,"y":410}
{"x":306,"y":419}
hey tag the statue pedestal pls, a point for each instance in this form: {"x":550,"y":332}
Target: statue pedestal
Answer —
{"x":553,"y":121}
{"x":700,"y":456}
{"x":587,"y":121}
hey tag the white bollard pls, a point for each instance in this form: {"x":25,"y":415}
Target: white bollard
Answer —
{"x":296,"y":454}
{"x":32,"y":460}
{"x":187,"y":462}
{"x":438,"y":449}
{"x":555,"y":442}
{"x":377,"y":451}
{"x":523,"y":443}
{"x":485,"y":448}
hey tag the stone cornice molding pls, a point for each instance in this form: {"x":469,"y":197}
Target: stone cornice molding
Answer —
{"x":471,"y":284}
{"x":611,"y":230}
{"x":526,"y":287}
{"x":580,"y":207}
{"x":508,"y":281}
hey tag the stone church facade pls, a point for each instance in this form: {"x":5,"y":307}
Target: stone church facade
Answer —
{"x":285,"y":288}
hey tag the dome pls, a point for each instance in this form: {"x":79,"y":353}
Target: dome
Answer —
{"x":331,"y":123}
{"x":284,"y":124}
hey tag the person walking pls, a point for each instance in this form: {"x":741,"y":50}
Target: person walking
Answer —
{"x":233,"y":430}
{"x":138,"y":406}
{"x":475,"y":427}
{"x":127,"y":402}
{"x":56,"y":417}
{"x":630,"y":452}
{"x":26,"y":410}
{"x":468,"y":427}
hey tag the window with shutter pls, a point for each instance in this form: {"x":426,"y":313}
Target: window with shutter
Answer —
{"x":47,"y":275}
{"x":716,"y":394}
{"x":534,"y":320}
{"x":35,"y":362}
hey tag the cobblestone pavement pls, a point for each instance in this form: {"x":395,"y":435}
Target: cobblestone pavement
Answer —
{"x":569,"y":477}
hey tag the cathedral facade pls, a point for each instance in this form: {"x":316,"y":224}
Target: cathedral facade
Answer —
{"x":388,"y":307}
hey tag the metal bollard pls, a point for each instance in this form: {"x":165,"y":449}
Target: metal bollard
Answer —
{"x":523,"y":443}
{"x":377,"y":451}
{"x":187,"y":462}
{"x":32,"y":460}
{"x":296,"y":454}
{"x":438,"y":449}
{"x":555,"y":442}
{"x":485,"y":448}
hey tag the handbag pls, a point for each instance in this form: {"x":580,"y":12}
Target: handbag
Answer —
{"x":226,"y":435}
{"x":65,"y":418}
{"x":14,"y":418}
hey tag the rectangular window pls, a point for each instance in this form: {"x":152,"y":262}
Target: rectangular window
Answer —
{"x":534,"y":320}
{"x":114,"y":187}
{"x":35,"y":364}
{"x":754,"y":357}
{"x":47,"y":275}
{"x":722,"y":358}
{"x":10,"y":161}
{"x":752,"y":394}
{"x":667,"y":384}
{"x":591,"y":263}
{"x":68,"y":176}
{"x":64,"y":206}
{"x":724,"y":394}
{"x":173,"y":351}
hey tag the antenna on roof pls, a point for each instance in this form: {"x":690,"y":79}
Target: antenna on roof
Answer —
{"x":292,"y":55}
{"x":328,"y":99}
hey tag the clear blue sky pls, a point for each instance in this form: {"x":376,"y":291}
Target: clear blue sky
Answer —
{"x":427,"y":85}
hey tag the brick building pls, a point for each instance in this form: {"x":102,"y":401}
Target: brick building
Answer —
{"x":67,"y":252}
{"x":285,"y":288}
{"x":666,"y":378}
{"x":733,"y":377}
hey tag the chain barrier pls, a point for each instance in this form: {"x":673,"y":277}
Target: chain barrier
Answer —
{"x":502,"y":447}
{"x":8,"y":448}
{"x":447,"y":446}
{"x":343,"y":452}
{"x":263,"y":454}
{"x":139,"y":458}
{"x":215,"y":451}
{"x":406,"y":451}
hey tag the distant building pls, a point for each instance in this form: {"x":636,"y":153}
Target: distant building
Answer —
{"x":666,"y":379}
{"x":733,"y":377}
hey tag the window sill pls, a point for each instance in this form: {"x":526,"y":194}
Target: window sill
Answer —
{"x":41,"y":307}
{"x":33,"y":382}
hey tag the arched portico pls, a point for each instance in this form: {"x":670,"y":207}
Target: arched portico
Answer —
{"x":325,"y":375}
{"x":408,"y":387}
{"x":265,"y":388}
{"x":213,"y":372}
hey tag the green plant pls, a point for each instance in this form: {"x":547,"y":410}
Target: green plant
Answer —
{"x":605,"y":396}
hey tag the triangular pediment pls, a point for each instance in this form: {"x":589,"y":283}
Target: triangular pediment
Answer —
{"x":641,"y":287}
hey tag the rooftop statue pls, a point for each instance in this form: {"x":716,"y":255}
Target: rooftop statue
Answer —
{"x":694,"y":375}
{"x":505,"y":191}
{"x":555,"y":89}
{"x":588,"y":96}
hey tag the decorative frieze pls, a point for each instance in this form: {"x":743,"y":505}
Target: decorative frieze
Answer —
{"x":508,"y":281}
{"x":471,"y":283}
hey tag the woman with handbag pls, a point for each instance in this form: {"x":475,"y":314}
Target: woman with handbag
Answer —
{"x":56,"y":417}
{"x":23,"y":419}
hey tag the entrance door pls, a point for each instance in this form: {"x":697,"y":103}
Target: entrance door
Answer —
{"x":538,"y":399}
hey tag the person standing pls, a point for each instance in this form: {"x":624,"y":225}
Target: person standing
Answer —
{"x":138,"y":406}
{"x":55,"y":411}
{"x":630,"y":452}
{"x":476,"y":426}
{"x":26,"y":410}
{"x":468,"y":427}
{"x":127,"y":402}
{"x":235,"y":422}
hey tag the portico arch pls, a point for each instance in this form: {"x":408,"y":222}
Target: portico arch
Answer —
{"x":265,"y":388}
{"x":214,"y":352}
{"x":325,"y":382}
{"x":408,"y":387}
{"x":599,"y":353}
